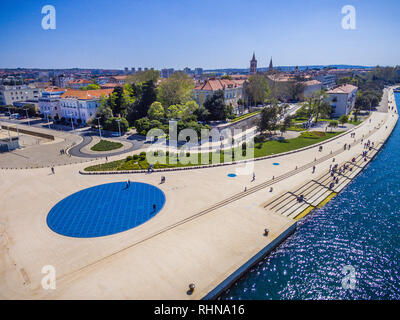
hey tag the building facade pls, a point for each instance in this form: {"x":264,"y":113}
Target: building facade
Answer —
{"x":342,"y":99}
{"x":118,"y":79}
{"x":80,"y":104}
{"x":18,"y":93}
{"x":49,"y":103}
{"x":310,"y":87}
{"x":166,"y":73}
{"x":233,"y":91}
{"x":327,"y":80}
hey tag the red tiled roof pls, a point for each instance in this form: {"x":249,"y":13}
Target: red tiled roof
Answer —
{"x":110,"y":85}
{"x":79,"y":81}
{"x":119,"y":77}
{"x":86,"y":94}
{"x":54,"y":89}
{"x":219,"y":84}
{"x":347,"y":88}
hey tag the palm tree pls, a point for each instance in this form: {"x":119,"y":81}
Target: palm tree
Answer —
{"x":333,"y":124}
{"x":320,"y":105}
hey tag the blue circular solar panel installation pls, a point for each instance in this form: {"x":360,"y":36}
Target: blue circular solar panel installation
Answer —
{"x":105,"y":209}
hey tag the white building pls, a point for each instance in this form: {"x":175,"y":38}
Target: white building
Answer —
{"x":18,"y":93}
{"x":310,"y":87}
{"x":327,"y":80}
{"x":49,"y":103}
{"x":80,"y":104}
{"x":342,"y":99}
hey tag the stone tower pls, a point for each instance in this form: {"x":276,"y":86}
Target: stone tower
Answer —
{"x":253,"y":65}
{"x":271,"y":66}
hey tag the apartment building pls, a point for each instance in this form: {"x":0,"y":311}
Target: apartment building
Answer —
{"x":18,"y":93}
{"x":342,"y":99}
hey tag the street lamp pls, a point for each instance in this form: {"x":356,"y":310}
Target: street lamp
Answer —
{"x":98,"y":120}
{"x":119,"y":126}
{"x":27,"y":116}
{"x":47,"y":117}
{"x":72,"y":120}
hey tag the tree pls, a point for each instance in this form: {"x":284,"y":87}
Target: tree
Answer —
{"x":320,"y":105}
{"x":362,"y":102}
{"x":104,"y":111}
{"x":112,"y":124}
{"x":118,"y":101}
{"x":215,"y":104}
{"x":258,"y":88}
{"x":268,"y":119}
{"x":92,"y":86}
{"x":333,"y":124}
{"x":343,"y":119}
{"x":177,"y":89}
{"x":142,"y":126}
{"x":229,"y":111}
{"x":286,"y":124}
{"x":145,"y":94}
{"x":156,"y":111}
{"x":174,"y":111}
{"x":202,"y":113}
{"x":144,"y":76}
{"x":189,"y":108}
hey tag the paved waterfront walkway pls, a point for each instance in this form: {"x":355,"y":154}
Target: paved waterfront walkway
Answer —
{"x":208,"y":228}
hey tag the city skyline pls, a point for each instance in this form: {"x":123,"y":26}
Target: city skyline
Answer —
{"x":178,"y":34}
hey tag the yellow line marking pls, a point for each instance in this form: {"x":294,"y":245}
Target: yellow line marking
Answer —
{"x":320,"y":205}
{"x":304,"y":213}
{"x":326,"y":200}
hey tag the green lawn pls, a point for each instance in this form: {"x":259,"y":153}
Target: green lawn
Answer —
{"x":261,"y":149}
{"x":105,"y":145}
{"x":245,"y":116}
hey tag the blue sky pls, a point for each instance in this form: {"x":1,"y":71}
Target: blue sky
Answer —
{"x":197,"y":33}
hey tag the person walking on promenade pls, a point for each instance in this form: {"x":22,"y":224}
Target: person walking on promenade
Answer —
{"x":313,"y":169}
{"x":254,"y":176}
{"x":52,"y":170}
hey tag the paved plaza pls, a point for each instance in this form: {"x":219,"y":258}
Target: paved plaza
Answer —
{"x":197,"y":237}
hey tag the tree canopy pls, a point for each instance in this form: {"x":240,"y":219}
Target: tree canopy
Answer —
{"x":215,"y":104}
{"x":177,"y":89}
{"x":258,"y":88}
